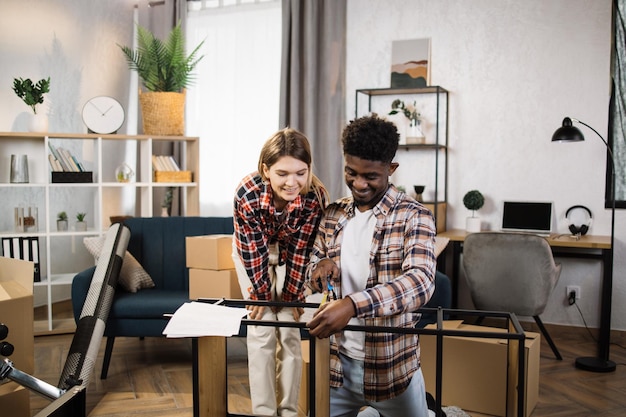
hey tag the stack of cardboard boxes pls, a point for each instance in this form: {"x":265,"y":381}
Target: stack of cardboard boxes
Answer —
{"x":16,"y":313}
{"x":211,"y":269}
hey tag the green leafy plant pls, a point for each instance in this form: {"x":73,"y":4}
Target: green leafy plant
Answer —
{"x":473,"y":200}
{"x":162,"y":66}
{"x":409,"y":111}
{"x":31,"y":94}
{"x":167,"y":197}
{"x":80,"y":217}
{"x":62,"y":216}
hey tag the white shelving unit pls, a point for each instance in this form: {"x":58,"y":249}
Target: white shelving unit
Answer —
{"x":62,"y":253}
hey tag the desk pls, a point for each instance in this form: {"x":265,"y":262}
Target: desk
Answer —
{"x":587,"y":246}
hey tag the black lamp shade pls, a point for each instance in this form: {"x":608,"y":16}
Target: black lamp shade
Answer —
{"x":567,"y":133}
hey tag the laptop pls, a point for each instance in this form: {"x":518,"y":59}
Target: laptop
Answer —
{"x":527,"y":217}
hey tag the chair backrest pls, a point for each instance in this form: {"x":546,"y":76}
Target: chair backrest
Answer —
{"x":158,"y":243}
{"x":512,"y":272}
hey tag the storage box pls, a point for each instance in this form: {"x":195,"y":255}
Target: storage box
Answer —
{"x":440,"y":215}
{"x":16,"y":312}
{"x":172,"y":176}
{"x":210,"y":252}
{"x":15,"y":399}
{"x":475,"y":370}
{"x":71,"y":177}
{"x":206,"y":283}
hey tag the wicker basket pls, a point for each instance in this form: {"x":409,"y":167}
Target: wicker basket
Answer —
{"x":163,"y":113}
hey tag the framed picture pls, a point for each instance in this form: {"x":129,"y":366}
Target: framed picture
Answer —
{"x":410,"y":63}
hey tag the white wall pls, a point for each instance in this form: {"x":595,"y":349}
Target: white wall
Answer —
{"x":74,"y":43}
{"x":514,"y":69}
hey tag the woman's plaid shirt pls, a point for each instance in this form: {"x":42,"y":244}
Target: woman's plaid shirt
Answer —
{"x":257,"y":226}
{"x":401,"y":280}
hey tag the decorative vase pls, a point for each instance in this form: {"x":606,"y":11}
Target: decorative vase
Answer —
{"x":38,"y":122}
{"x":81,"y":226}
{"x":164,"y":212}
{"x":62,"y":225}
{"x":472,"y":225}
{"x":414,"y":133}
{"x":124,"y":173}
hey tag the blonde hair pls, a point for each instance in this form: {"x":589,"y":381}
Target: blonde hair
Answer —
{"x":290,"y":142}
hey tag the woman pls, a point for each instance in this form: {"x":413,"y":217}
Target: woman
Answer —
{"x":276,"y":213}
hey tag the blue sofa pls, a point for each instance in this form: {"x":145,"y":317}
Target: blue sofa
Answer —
{"x":158,"y":243}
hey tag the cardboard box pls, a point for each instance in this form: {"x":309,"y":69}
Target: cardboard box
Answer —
{"x":16,"y":312}
{"x":206,"y":283}
{"x":475,"y":370}
{"x":15,"y":399}
{"x":210,"y":252}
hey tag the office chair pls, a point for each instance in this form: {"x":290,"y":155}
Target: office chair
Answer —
{"x":511,"y":272}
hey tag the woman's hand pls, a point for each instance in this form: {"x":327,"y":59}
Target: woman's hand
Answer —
{"x":256,"y":312}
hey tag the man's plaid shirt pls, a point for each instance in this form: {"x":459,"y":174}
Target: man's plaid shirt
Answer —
{"x":401,"y":280}
{"x":257,"y":226}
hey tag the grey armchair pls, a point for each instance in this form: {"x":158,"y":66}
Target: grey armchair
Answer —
{"x":511,"y":272}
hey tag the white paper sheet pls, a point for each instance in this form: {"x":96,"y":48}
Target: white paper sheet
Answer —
{"x":196,"y":319}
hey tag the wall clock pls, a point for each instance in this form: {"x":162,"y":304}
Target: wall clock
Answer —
{"x":103,"y":114}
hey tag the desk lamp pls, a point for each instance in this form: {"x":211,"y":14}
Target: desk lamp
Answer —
{"x":601,"y":363}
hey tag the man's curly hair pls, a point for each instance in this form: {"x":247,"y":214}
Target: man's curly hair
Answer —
{"x":371,"y":138}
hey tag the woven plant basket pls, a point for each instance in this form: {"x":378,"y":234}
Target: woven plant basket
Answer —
{"x":163,"y":113}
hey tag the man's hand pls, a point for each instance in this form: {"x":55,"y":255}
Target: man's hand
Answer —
{"x":325,"y":269}
{"x":331,"y":318}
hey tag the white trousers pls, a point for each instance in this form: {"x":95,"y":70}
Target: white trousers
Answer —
{"x":274,"y":353}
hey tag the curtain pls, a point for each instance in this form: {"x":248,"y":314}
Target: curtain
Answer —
{"x":233,"y":104}
{"x":312,"y":86}
{"x":617,"y":128}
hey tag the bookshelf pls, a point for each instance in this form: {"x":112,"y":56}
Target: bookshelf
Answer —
{"x":61,"y":252}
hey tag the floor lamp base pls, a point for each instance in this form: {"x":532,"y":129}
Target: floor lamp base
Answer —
{"x":593,"y":364}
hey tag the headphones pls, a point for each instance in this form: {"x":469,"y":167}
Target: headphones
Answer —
{"x":583,"y":228}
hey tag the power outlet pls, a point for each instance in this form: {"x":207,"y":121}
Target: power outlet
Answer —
{"x":572,"y":288}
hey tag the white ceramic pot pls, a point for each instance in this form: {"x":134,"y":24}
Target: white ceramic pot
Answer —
{"x":472,"y":224}
{"x":38,"y":123}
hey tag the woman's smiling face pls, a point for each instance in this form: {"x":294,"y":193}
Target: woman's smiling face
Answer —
{"x":288,"y":176}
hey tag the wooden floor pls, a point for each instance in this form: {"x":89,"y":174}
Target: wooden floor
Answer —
{"x":152,"y":377}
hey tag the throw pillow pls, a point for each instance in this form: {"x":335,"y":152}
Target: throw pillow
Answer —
{"x":132,"y":275}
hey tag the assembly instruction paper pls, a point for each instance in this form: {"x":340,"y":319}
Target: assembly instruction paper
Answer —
{"x":196,"y":319}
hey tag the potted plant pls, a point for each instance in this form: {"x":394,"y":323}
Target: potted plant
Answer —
{"x":166,"y":204}
{"x":62,"y":221}
{"x":473,"y":200}
{"x":80,"y":222}
{"x":414,"y":134}
{"x":32,"y":95}
{"x":165,"y":71}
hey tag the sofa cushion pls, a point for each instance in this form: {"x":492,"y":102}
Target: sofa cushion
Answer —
{"x":147,"y":304}
{"x":132,"y":276}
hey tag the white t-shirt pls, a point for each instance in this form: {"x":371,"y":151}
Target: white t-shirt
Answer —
{"x":355,"y":257}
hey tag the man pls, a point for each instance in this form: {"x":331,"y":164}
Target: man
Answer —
{"x":377,"y":249}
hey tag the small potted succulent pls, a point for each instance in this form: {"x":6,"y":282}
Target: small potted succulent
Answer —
{"x":473,"y":200}
{"x":62,"y":221}
{"x":81,"y":225}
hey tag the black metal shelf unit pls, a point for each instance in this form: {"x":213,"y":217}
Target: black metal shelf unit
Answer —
{"x":432,"y":95}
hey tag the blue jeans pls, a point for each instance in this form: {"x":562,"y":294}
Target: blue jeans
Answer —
{"x":346,"y":400}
